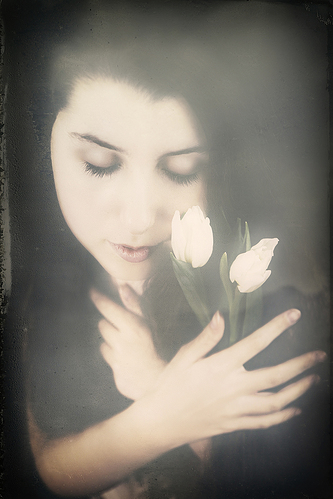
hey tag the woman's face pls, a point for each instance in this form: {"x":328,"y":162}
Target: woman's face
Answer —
{"x":123,"y":163}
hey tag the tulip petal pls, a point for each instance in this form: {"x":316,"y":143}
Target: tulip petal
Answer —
{"x":269,"y":244}
{"x":202,"y":243}
{"x":201,"y":254}
{"x":178,"y":240}
{"x":241,"y":265}
{"x":192,"y":237}
{"x":254,"y":282}
{"x":249,"y":269}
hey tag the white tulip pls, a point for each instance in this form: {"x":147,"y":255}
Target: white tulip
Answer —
{"x":192,"y":237}
{"x":249,"y":269}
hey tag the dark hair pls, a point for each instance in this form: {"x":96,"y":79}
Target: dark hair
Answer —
{"x":62,"y":320}
{"x":167,"y":50}
{"x":166,"y":53}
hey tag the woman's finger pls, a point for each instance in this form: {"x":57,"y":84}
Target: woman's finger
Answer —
{"x":265,"y":403}
{"x":247,"y":348}
{"x":106,"y":352}
{"x":113,"y":312}
{"x":202,"y":344}
{"x":265,"y":421}
{"x":107,"y":330}
{"x":130,"y":299}
{"x":269,"y":377}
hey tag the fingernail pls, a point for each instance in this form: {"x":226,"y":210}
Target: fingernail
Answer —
{"x":297,"y":412}
{"x":93,"y":294}
{"x":215,"y":322}
{"x":125,"y":292}
{"x":321,"y":356}
{"x":315,"y":379}
{"x":293,"y":315}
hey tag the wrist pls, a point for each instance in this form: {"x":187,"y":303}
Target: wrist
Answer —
{"x":152,"y":426}
{"x":160,"y":421}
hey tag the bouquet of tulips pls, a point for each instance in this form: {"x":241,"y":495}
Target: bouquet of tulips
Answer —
{"x":192,"y":246}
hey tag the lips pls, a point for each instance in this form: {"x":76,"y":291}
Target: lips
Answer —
{"x":133,"y":255}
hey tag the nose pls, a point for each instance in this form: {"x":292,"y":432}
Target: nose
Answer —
{"x":138,"y":209}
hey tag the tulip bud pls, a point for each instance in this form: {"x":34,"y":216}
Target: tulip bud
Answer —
{"x":249,"y":269}
{"x":192,"y":237}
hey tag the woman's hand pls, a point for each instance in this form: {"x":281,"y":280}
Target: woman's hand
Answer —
{"x":128,"y":347}
{"x":194,"y":397}
{"x":198,"y":396}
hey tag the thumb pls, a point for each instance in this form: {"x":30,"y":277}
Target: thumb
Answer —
{"x":203,"y":343}
{"x":130,"y":299}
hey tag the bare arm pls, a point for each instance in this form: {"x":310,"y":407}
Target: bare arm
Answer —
{"x":130,"y":352}
{"x":99,"y":457}
{"x":195,"y":397}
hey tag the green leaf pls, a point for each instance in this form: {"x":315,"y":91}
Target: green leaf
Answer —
{"x":234,"y":318}
{"x":247,"y":239}
{"x":223,"y":222}
{"x":253,"y":312}
{"x":239,"y":232}
{"x":192,"y":284}
{"x":224,"y":274}
{"x":243,"y":242}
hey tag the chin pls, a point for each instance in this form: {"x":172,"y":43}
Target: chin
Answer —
{"x":126,"y":271}
{"x":122,"y":270}
{"x":131,"y":274}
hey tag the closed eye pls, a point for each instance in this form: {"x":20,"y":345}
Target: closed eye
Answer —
{"x":99,"y":171}
{"x":188,"y":179}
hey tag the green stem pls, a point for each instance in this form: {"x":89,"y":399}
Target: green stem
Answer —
{"x":253,"y":312}
{"x":224,"y":275}
{"x":193,"y":286}
{"x":234,"y":316}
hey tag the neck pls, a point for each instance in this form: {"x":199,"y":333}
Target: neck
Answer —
{"x":137,"y":286}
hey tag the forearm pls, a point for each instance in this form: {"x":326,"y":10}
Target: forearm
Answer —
{"x":195,"y":397}
{"x":102,"y":455}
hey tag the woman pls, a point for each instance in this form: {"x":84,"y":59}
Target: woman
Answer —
{"x":131,"y":144}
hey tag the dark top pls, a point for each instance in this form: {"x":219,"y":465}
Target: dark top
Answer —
{"x":70,"y":388}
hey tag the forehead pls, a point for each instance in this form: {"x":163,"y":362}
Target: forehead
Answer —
{"x":104,"y":107}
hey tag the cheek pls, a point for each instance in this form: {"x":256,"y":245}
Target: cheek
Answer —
{"x":191,"y":196}
{"x":79,"y":203}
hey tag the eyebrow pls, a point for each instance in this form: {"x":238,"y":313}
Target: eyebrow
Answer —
{"x":198,"y":149}
{"x":95,"y":140}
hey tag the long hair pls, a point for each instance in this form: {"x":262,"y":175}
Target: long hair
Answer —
{"x":165,"y":60}
{"x":167,"y":51}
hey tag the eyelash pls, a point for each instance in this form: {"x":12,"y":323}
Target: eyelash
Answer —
{"x":177,"y":178}
{"x":181,"y":179}
{"x":98,"y":171}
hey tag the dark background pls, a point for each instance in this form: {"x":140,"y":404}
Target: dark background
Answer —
{"x":280,"y":51}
